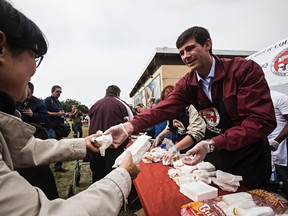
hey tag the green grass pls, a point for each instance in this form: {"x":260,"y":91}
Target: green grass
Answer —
{"x":64,"y":180}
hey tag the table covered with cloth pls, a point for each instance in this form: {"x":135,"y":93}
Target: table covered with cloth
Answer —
{"x":158,"y":193}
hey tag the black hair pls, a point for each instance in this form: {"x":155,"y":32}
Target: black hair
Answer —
{"x":113,"y":90}
{"x":31,"y":86}
{"x":21,"y":32}
{"x":54,"y":88}
{"x":199,"y":34}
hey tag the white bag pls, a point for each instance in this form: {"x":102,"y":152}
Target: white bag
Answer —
{"x":137,"y":149}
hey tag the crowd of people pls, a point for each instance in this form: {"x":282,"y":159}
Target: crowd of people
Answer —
{"x":221,"y":111}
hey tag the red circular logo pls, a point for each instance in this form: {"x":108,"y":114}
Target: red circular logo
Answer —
{"x":279,"y":65}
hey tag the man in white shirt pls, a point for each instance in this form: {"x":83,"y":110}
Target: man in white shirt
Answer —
{"x":278,"y":138}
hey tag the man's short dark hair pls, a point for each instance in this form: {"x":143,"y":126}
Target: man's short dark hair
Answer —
{"x":55,"y":87}
{"x":199,"y":34}
{"x":113,"y":90}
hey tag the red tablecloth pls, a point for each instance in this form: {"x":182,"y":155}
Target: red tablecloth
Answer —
{"x":159,"y":195}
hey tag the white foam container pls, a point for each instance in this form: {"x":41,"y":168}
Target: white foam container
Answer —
{"x":198,"y":191}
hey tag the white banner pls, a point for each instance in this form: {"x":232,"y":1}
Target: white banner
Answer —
{"x":274,"y":62}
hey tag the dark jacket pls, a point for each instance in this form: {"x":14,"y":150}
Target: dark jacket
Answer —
{"x":105,"y":113}
{"x":39,"y":109}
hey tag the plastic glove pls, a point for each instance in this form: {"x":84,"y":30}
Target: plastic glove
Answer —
{"x":168,"y":157}
{"x":199,"y":151}
{"x":273,"y":145}
{"x":119,"y":134}
{"x":156,"y":141}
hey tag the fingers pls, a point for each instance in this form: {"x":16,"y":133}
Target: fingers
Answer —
{"x":114,"y":145}
{"x":188,"y":161}
{"x":91,"y":147}
{"x":128,"y":156}
{"x":190,"y":152}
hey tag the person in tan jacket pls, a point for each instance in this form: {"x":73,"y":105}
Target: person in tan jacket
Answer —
{"x":21,"y":44}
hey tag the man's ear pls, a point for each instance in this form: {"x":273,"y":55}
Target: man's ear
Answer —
{"x":3,"y":46}
{"x":208,"y":44}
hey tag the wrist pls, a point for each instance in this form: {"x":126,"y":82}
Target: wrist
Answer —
{"x":210,"y":145}
{"x":128,"y":127}
{"x":175,"y":150}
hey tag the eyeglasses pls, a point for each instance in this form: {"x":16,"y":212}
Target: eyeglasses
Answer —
{"x":38,"y":60}
{"x":58,"y":91}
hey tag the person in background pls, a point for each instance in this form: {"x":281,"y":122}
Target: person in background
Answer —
{"x":76,"y":116}
{"x":106,"y":112}
{"x":278,"y":138}
{"x":232,"y":96}
{"x":87,"y":120}
{"x":189,"y":127}
{"x":21,"y":50}
{"x":151,"y":102}
{"x":155,"y":130}
{"x":57,"y":116}
{"x":34,"y":112}
{"x":166,"y":91}
{"x":140,"y":108}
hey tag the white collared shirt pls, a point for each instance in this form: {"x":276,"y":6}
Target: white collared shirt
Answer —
{"x":207,"y":82}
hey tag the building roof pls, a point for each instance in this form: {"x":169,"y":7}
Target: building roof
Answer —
{"x":170,"y":56}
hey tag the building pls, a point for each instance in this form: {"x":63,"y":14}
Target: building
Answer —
{"x":166,"y":67}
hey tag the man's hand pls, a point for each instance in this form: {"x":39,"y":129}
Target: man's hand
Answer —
{"x":273,"y":145}
{"x":27,"y":112}
{"x":90,"y":145}
{"x":120,"y":133}
{"x":199,"y":151}
{"x":127,"y":163}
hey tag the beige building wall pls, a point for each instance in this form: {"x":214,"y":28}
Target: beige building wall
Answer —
{"x":169,"y":75}
{"x":172,"y":73}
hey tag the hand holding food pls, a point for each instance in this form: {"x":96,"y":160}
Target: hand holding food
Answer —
{"x":127,"y":163}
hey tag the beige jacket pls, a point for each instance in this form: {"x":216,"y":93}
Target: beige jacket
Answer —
{"x":19,"y":148}
{"x":197,"y":126}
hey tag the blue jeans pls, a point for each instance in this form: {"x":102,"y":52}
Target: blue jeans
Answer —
{"x":52,"y":135}
{"x":77,"y":128}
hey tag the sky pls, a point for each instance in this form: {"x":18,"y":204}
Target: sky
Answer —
{"x":94,"y":44}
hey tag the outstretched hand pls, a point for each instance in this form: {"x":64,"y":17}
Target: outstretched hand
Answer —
{"x":132,"y":168}
{"x":119,"y":133}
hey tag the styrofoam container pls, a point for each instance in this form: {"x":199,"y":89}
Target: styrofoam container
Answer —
{"x":198,"y":191}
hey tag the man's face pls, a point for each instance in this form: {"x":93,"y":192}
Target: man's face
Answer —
{"x":195,"y":56}
{"x":57,"y":92}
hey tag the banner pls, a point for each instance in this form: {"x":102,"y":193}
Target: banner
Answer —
{"x":274,"y":62}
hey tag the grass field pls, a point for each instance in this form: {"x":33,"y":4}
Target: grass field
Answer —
{"x":64,"y":180}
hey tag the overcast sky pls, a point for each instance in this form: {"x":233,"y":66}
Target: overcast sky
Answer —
{"x":93,"y":44}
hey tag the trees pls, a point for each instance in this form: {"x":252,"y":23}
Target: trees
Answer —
{"x":69,"y":102}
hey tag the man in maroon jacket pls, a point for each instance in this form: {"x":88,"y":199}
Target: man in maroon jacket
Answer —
{"x":105,"y":113}
{"x":232,"y":96}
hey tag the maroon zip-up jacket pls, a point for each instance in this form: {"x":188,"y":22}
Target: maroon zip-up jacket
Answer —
{"x":246,"y":97}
